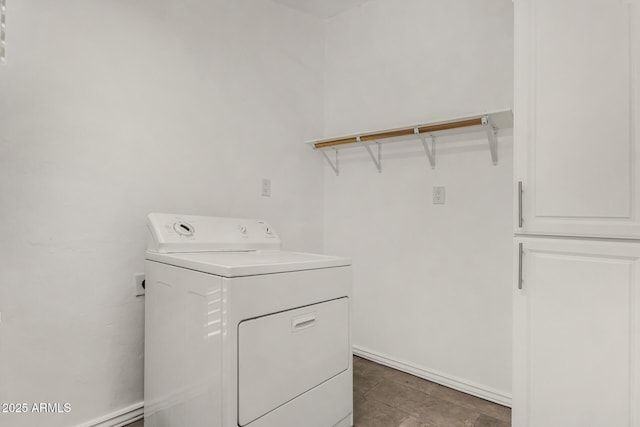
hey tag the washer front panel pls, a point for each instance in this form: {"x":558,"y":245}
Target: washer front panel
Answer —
{"x":284,"y":355}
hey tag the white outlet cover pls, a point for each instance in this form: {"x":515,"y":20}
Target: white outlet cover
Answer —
{"x":439,"y":195}
{"x":139,"y":278}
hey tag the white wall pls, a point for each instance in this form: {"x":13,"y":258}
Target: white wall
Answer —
{"x":432,"y":284}
{"x":113,"y":109}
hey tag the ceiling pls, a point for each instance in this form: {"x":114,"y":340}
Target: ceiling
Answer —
{"x":322,"y":8}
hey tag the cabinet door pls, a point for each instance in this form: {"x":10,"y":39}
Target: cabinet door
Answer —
{"x":577,"y":117}
{"x":577,"y":334}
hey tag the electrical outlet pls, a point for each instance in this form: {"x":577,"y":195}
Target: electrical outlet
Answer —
{"x":266,"y":187}
{"x":438,"y":195}
{"x":139,"y":282}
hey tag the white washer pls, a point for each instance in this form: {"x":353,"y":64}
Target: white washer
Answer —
{"x":240,"y":333}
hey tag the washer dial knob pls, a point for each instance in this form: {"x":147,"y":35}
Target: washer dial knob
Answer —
{"x":183,"y":228}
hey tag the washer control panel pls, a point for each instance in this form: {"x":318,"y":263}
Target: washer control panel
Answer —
{"x":191,"y":233}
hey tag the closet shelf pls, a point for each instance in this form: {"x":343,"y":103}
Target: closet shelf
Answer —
{"x":427,"y":133}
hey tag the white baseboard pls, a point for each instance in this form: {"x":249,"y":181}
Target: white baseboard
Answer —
{"x":119,"y":418}
{"x":444,"y":379}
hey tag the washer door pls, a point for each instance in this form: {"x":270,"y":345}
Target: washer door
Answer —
{"x":283,"y":355}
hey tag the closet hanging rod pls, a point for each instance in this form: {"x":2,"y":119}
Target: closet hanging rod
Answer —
{"x":490,"y":123}
{"x":476,"y":121}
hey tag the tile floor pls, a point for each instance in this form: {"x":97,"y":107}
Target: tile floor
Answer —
{"x":384,"y":397}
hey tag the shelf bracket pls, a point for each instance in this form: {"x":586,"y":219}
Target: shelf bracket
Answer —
{"x":377,"y":161}
{"x":335,"y":165}
{"x":492,"y":135}
{"x":430,"y":150}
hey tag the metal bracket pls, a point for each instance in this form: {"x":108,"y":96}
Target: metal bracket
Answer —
{"x":430,"y":150}
{"x":492,"y":135}
{"x":335,"y":166}
{"x":377,"y":162}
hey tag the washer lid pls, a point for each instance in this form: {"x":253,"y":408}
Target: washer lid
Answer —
{"x":236,"y":264}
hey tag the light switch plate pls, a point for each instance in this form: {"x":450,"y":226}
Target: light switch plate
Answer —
{"x":266,"y":187}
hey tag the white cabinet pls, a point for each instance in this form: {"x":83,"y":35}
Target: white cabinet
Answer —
{"x":577,"y":149}
{"x":577,"y":334}
{"x":577,"y":117}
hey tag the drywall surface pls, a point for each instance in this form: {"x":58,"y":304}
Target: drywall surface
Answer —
{"x":110,"y":110}
{"x":432,"y":283}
